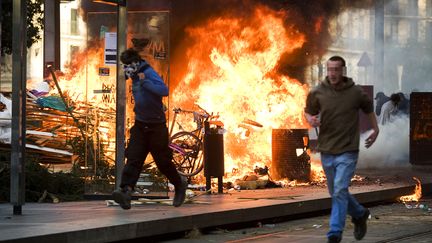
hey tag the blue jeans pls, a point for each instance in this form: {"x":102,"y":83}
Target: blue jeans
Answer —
{"x":339,"y":170}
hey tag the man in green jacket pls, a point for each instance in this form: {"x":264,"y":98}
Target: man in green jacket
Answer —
{"x":334,"y":106}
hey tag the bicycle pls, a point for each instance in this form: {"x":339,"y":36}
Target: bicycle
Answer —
{"x":187,"y":146}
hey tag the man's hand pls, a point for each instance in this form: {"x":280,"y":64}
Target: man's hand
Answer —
{"x":371,"y":139}
{"x":314,"y":121}
{"x":141,"y":76}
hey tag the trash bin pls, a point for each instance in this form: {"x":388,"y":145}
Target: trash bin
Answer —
{"x":213,"y":155}
{"x":287,"y":162}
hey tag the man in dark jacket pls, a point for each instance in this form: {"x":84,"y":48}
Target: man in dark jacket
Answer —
{"x":149,"y":133}
{"x":333,"y":107}
{"x":404,"y":104}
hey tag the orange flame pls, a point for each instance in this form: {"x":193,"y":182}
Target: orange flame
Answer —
{"x":417,"y":193}
{"x":318,"y":25}
{"x":232,"y":70}
{"x":317,"y":172}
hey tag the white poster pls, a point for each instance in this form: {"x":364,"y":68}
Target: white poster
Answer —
{"x":110,"y":48}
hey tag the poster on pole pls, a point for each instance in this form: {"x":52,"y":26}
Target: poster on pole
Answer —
{"x":110,"y":54}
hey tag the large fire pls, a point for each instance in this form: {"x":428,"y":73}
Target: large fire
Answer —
{"x":232,"y":65}
{"x":231,"y":70}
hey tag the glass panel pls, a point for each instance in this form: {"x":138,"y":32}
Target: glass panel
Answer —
{"x":99,"y":147}
{"x":154,"y":27}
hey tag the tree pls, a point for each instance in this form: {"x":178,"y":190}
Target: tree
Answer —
{"x":34,"y":23}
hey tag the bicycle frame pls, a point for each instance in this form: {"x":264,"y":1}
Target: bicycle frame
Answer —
{"x":199,"y":117}
{"x":188,"y":146}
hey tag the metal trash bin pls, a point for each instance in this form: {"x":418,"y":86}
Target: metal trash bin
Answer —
{"x":213,"y":156}
{"x":286,"y":163}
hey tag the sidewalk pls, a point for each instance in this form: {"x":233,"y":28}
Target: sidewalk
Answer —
{"x":94,"y":221}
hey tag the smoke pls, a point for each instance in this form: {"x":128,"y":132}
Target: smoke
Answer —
{"x":390,"y":150}
{"x":407,"y":52}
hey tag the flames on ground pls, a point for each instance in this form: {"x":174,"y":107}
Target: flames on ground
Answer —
{"x":415,"y":197}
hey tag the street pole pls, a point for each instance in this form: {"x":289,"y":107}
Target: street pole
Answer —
{"x":19,"y":61}
{"x":379,"y":44}
{"x":120,"y":92}
{"x":1,"y":20}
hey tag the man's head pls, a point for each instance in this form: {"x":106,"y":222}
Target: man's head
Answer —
{"x":402,"y":96}
{"x":380,"y":95}
{"x":335,"y":69}
{"x":130,"y":59}
{"x":129,"y":56}
{"x":395,"y":98}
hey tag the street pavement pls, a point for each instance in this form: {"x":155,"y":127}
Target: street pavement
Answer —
{"x":94,"y":221}
{"x":390,"y":222}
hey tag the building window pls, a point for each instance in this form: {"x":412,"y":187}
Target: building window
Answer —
{"x":74,"y":21}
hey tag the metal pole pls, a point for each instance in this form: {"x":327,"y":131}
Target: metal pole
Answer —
{"x":120,"y":92}
{"x":1,"y":20}
{"x":19,"y":61}
{"x":379,"y":43}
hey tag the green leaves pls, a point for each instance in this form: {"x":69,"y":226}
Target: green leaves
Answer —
{"x":34,"y":24}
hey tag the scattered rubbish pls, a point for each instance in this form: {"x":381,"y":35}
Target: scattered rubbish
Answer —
{"x":193,"y":233}
{"x":317,"y":226}
{"x":190,"y":198}
{"x":220,"y":231}
{"x":50,"y":195}
{"x":261,"y":170}
{"x":197,"y":187}
{"x":408,"y":206}
{"x":425,"y":207}
{"x":190,"y":193}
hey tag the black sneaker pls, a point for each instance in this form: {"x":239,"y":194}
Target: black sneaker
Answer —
{"x":360,"y":225}
{"x":334,"y":239}
{"x":180,"y":192}
{"x":123,"y":198}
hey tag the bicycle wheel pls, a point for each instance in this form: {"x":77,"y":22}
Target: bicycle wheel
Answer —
{"x":187,"y":153}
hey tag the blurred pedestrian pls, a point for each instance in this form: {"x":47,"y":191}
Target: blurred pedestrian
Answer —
{"x":149,"y":133}
{"x":390,"y":109}
{"x":334,"y":106}
{"x":404,"y":104}
{"x":380,"y":99}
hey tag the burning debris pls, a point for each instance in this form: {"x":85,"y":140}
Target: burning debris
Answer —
{"x":237,"y":78}
{"x":413,"y":197}
{"x":63,"y":124}
{"x":251,"y":69}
